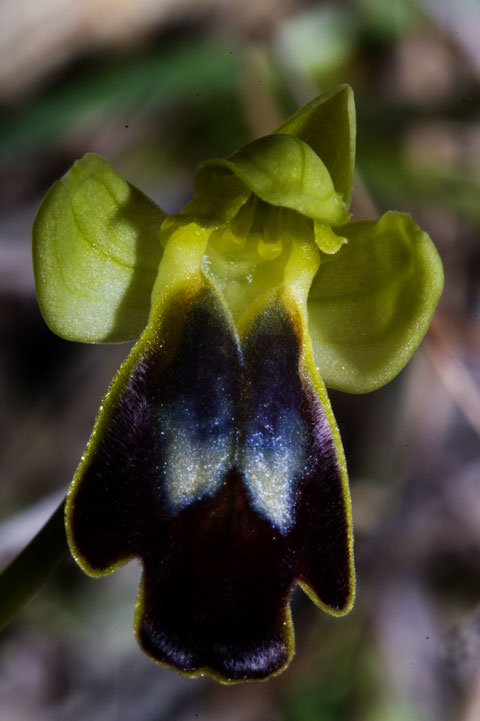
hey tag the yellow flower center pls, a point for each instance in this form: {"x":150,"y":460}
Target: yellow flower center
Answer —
{"x":246,"y":259}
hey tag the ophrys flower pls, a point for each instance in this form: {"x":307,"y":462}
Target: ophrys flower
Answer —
{"x":215,"y":457}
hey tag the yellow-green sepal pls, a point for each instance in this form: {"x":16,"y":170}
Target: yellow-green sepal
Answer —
{"x":327,"y":124}
{"x":306,"y":165}
{"x":281,"y":170}
{"x":371,"y":303}
{"x":96,"y":251}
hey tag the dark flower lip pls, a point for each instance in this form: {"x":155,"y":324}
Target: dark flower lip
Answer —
{"x":221,"y":550}
{"x":218,"y":604}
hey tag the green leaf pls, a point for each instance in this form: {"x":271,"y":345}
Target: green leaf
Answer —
{"x":96,"y":252}
{"x":283,"y":171}
{"x":327,"y":124}
{"x":31,"y":568}
{"x":371,"y":303}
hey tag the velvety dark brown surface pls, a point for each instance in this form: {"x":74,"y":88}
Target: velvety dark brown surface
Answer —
{"x":217,"y":571}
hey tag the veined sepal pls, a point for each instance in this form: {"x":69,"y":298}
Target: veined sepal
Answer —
{"x":328,"y":125}
{"x":284,"y":171}
{"x":306,"y":165}
{"x":371,"y":302}
{"x":96,"y":252}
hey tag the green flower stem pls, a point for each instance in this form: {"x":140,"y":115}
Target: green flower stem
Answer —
{"x":31,"y":568}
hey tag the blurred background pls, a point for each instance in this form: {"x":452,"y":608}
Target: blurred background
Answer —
{"x":156,"y":86}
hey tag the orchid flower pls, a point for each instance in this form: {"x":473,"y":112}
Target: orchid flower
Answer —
{"x":215,"y":458}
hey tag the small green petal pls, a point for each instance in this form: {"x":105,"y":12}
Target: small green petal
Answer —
{"x":218,"y":196}
{"x":281,"y":170}
{"x":328,"y":241}
{"x":327,"y":124}
{"x":96,"y":252}
{"x":371,"y":303}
